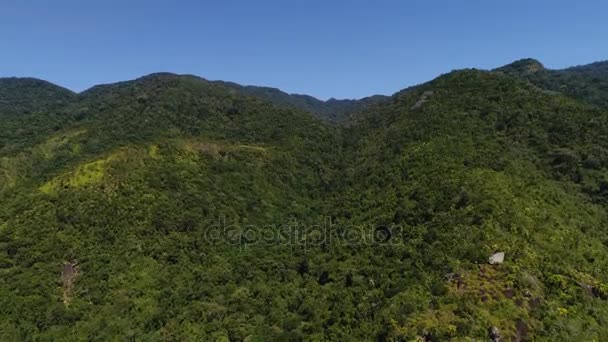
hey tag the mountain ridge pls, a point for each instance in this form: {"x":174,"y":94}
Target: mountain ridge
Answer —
{"x":339,"y":110}
{"x":588,"y":83}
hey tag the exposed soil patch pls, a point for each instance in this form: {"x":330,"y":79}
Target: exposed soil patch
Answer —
{"x":521,"y":329}
{"x":423,"y":99}
{"x":68,"y":277}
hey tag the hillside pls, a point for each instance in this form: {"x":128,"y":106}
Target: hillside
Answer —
{"x":485,"y":164}
{"x":28,"y":108}
{"x":123,"y":195}
{"x":175,"y":208}
{"x":22,"y":96}
{"x":588,"y":83}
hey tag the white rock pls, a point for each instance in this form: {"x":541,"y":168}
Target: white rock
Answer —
{"x":497,"y":258}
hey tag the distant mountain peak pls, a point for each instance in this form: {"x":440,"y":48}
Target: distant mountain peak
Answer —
{"x":523,"y":66}
{"x":27,"y":83}
{"x":21,"y":95}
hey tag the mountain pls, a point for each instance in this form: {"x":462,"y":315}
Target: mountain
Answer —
{"x":27,"y":95}
{"x":28,"y":104}
{"x":333,"y":110}
{"x":587,"y":83}
{"x":175,"y":208}
{"x":485,"y":164}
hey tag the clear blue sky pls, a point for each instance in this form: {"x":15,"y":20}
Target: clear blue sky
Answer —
{"x":343,"y":49}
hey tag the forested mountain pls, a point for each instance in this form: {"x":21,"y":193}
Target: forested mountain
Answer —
{"x":21,"y":96}
{"x":587,"y":83}
{"x":175,"y":208}
{"x":486,"y":164}
{"x":333,"y":110}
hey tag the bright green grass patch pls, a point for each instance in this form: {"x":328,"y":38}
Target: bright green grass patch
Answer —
{"x":208,"y":147}
{"x":86,"y":174}
{"x":153,"y":151}
{"x":8,"y":172}
{"x":49,"y":147}
{"x":76,"y":148}
{"x":89,"y":173}
{"x":252,"y":148}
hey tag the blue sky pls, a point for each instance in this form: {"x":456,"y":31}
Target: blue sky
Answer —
{"x":342,"y":49}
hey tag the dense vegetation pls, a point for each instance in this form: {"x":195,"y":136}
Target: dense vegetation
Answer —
{"x":332,"y":110}
{"x":22,"y":96}
{"x":588,"y":83}
{"x":174,"y":208}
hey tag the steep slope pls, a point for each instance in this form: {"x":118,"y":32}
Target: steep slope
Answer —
{"x":484,"y":164}
{"x":333,"y":110}
{"x":588,"y":83}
